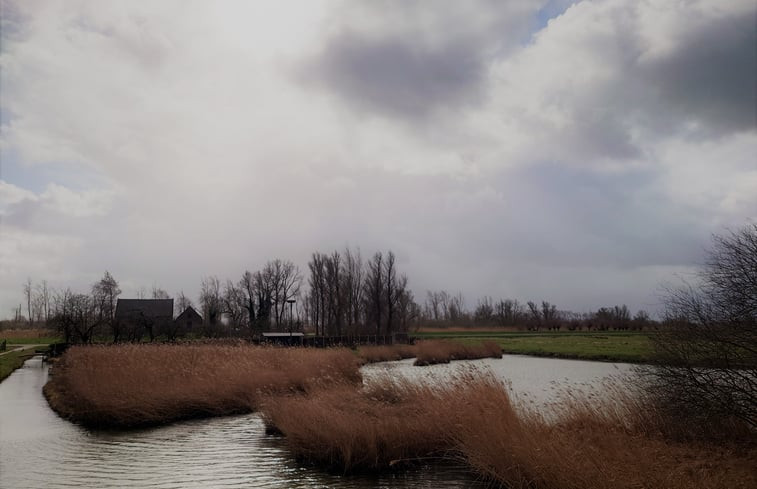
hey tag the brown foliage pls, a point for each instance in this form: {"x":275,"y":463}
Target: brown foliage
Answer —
{"x":582,"y":442}
{"x":31,"y":333}
{"x":430,"y":352}
{"x":135,"y":385}
{"x":386,"y":353}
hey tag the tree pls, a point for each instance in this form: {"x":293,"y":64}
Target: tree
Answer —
{"x":105,"y":293}
{"x":182,"y":302}
{"x":158,"y":293}
{"x":28,"y":295}
{"x":210,"y":300}
{"x":374,"y":290}
{"x":707,"y":352}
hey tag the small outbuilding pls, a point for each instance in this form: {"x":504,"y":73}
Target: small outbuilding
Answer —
{"x":189,"y":319}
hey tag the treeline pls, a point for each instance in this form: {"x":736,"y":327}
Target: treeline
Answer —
{"x":444,"y":309}
{"x":340,"y":294}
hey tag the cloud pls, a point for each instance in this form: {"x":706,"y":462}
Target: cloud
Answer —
{"x":414,"y":59}
{"x":577,"y":159}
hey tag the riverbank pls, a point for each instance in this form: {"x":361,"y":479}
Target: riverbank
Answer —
{"x":609,"y":346}
{"x":15,"y":356}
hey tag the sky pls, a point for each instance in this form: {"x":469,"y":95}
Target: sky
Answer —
{"x":581,"y":153}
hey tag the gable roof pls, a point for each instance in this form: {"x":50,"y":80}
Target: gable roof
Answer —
{"x":189,"y":313}
{"x":148,"y":308}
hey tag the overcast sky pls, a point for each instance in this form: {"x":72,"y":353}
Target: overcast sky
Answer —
{"x":576,"y":152}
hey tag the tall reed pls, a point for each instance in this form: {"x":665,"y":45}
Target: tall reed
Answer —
{"x":133,"y":385}
{"x":430,"y":352}
{"x":583,"y":443}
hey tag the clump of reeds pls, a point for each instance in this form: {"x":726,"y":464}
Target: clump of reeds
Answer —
{"x":430,"y":352}
{"x":134,"y":385}
{"x":386,"y":424}
{"x":582,"y":442}
{"x":385,"y":353}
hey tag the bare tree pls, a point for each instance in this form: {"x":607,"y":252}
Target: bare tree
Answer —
{"x":484,"y":311}
{"x":158,"y":293}
{"x":28,"y":292}
{"x":233,"y":302}
{"x":105,"y":293}
{"x":248,"y":299}
{"x":374,"y":290}
{"x":352,"y":273}
{"x":392,"y":290}
{"x":707,"y":354}
{"x":210,"y":300}
{"x":182,"y":303}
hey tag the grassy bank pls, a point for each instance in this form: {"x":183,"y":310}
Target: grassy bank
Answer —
{"x":139,"y":385}
{"x":13,"y":360}
{"x":619,"y":442}
{"x":632,"y":347}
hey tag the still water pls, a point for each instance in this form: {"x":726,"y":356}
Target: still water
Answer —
{"x":39,"y":450}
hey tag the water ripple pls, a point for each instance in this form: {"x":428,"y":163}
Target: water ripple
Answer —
{"x":40,"y":450}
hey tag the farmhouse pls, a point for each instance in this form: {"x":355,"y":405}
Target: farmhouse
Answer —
{"x":189,"y":320}
{"x":138,"y":316}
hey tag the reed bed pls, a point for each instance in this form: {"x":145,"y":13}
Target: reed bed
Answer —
{"x":430,"y":352}
{"x":386,"y":353}
{"x":137,"y":385}
{"x":584,"y":443}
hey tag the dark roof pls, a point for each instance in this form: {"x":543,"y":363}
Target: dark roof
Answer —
{"x":189,"y":313}
{"x":148,"y":308}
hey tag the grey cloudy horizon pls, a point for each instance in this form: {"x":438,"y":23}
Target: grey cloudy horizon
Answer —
{"x":577,"y":152}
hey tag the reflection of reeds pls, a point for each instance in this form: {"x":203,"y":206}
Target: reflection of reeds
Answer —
{"x":442,"y":351}
{"x":583,"y":443}
{"x":132,"y":385}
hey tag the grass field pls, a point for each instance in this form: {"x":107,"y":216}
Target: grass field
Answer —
{"x":633,"y":347}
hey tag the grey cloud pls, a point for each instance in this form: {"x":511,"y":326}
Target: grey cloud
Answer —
{"x":403,"y":71}
{"x":713,"y":76}
{"x":398,"y":76}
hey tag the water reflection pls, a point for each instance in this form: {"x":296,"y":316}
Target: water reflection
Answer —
{"x":534,"y":381}
{"x":39,"y":450}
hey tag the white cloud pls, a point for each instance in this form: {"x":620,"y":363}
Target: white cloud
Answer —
{"x":225,"y":134}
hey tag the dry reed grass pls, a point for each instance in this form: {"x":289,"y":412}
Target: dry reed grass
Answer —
{"x":32,"y":333}
{"x":430,"y":352}
{"x":135,"y":385}
{"x":385,"y":353}
{"x":580,"y":443}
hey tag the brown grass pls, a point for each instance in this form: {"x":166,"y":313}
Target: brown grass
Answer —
{"x":584,"y":443}
{"x":32,"y":333}
{"x":386,"y":353}
{"x":135,"y":385}
{"x":430,"y":352}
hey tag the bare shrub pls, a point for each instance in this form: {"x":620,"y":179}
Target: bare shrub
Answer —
{"x":707,"y":354}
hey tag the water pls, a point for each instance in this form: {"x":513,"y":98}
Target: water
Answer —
{"x":533,"y":380}
{"x":39,"y":450}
